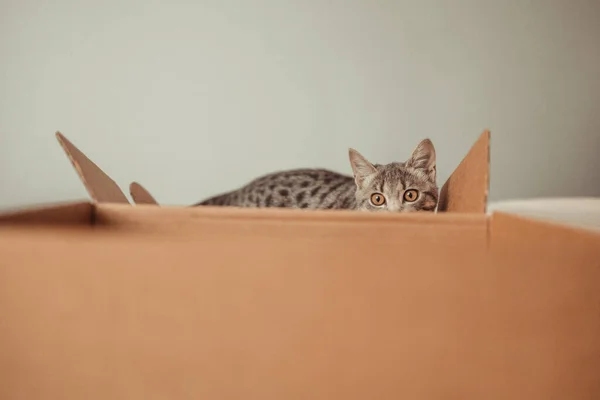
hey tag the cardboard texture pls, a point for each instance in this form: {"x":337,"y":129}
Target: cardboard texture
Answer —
{"x":546,"y":290}
{"x":107,"y":300}
{"x":62,"y":214}
{"x":140,"y":195}
{"x":101,"y":187}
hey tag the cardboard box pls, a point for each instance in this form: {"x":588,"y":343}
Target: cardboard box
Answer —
{"x":102,"y":300}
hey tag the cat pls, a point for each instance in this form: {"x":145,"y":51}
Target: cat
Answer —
{"x":395,"y":187}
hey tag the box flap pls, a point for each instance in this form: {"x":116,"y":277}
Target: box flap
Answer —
{"x":140,"y":195}
{"x":547,"y":303}
{"x":101,"y":187}
{"x":467,"y":188}
{"x":582,"y":212}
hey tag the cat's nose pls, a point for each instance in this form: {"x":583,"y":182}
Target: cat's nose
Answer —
{"x":395,"y":208}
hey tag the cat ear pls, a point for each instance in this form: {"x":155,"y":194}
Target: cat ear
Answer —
{"x":361,"y":167}
{"x":423,"y":157}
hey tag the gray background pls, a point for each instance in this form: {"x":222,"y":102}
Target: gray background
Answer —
{"x":194,"y":98}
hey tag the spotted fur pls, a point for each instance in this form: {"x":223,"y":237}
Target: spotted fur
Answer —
{"x":324,"y":189}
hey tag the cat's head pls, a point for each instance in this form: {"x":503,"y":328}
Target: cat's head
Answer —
{"x":397,"y":187}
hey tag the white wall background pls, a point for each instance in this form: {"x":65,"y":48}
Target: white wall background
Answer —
{"x":196,"y":97}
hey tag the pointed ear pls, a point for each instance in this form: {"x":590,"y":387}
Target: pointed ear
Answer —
{"x":423,"y":157}
{"x":360,"y":166}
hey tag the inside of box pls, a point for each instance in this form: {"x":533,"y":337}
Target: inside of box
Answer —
{"x":465,"y":191}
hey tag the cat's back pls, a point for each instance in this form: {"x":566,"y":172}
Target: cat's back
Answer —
{"x":297,"y":188}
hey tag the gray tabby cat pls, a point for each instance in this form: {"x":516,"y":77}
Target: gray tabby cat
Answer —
{"x":396,"y":187}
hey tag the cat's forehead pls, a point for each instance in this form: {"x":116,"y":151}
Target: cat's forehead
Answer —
{"x":397,"y":174}
{"x":390,"y":166}
{"x":392,"y":171}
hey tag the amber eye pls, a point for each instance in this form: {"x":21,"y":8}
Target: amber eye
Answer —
{"x":411,"y":195}
{"x":377,"y":199}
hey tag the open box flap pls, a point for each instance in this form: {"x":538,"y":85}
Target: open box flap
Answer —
{"x":101,"y":188}
{"x":140,"y":195}
{"x":467,"y":188}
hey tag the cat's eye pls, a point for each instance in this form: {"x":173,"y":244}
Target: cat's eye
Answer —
{"x":377,"y":199}
{"x":411,"y":195}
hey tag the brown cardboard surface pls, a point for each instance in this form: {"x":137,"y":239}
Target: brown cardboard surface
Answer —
{"x":163,"y":302}
{"x":547,"y":295}
{"x":100,"y":186}
{"x":140,"y":195}
{"x":111,"y":301}
{"x":57,"y":214}
{"x":253,"y":307}
{"x":467,"y":188}
{"x":178,"y":219}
